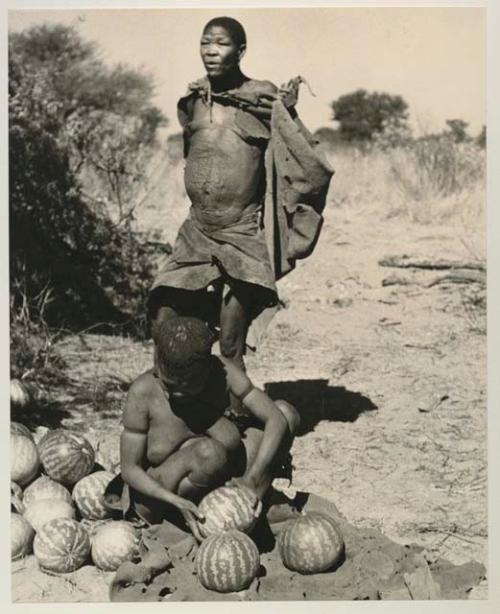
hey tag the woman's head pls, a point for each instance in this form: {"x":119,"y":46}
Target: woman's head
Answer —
{"x":182,"y":350}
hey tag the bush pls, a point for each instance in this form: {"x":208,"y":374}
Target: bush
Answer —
{"x":362,"y":115}
{"x":437,"y":166}
{"x":80,"y":135}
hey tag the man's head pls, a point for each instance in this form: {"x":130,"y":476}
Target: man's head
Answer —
{"x":223,"y":44}
{"x":182,"y":350}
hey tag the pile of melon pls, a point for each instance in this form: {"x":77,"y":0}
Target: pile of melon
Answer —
{"x":58,"y":514}
{"x":228,"y":559}
{"x":57,"y":504}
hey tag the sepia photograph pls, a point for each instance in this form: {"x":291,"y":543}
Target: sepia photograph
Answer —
{"x":248,"y":303}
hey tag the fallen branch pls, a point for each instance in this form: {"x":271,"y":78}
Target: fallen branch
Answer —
{"x":460,"y":277}
{"x":396,"y":280}
{"x":408,"y":262}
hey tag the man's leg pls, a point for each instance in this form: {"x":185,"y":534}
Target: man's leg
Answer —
{"x":233,"y":326}
{"x":234,"y":322}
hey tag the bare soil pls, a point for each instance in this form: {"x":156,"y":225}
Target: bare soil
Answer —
{"x":390,"y":381}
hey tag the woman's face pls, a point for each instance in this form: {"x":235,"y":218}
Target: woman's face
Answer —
{"x":185,"y":385}
{"x":219,"y":52}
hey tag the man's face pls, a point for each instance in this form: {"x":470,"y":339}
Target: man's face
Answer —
{"x":219,"y":52}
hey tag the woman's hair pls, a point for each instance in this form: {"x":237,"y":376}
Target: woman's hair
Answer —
{"x":233,"y":26}
{"x":182,"y":341}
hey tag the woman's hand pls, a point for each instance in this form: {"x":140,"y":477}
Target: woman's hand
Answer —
{"x":191,"y":515}
{"x":248,"y":487}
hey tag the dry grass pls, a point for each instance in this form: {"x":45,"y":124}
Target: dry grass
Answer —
{"x":429,"y":182}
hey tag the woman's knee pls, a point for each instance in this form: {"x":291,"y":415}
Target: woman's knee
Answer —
{"x":291,"y":414}
{"x":209,"y":454}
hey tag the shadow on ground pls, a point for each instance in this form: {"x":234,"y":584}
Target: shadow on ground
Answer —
{"x":316,"y":400}
{"x":41,"y":413}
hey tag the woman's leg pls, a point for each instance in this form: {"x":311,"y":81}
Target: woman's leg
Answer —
{"x":198,"y":466}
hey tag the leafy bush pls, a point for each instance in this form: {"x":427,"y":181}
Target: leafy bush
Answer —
{"x":80,"y":135}
{"x":362,"y":115}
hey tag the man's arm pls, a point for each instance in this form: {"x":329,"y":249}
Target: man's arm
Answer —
{"x":263,"y":408}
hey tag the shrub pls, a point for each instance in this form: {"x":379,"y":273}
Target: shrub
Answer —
{"x":80,"y":135}
{"x":362,"y":115}
{"x":436,"y":166}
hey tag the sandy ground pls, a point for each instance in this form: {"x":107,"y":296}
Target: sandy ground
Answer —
{"x":390,"y":381}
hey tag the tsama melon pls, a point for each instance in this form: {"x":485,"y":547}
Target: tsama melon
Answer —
{"x":227,"y":562}
{"x":24,"y":459}
{"x":16,"y":428}
{"x":114,"y":543}
{"x":88,"y":494}
{"x":62,"y":545}
{"x":45,"y":488}
{"x":228,"y":507}
{"x":19,"y":393}
{"x":21,"y":536}
{"x":311,"y":543}
{"x":16,"y":498}
{"x":66,"y":456}
{"x":41,"y":511}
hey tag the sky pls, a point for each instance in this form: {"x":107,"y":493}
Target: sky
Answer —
{"x":434,"y":57}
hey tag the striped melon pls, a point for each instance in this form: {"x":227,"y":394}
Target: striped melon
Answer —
{"x":24,"y":459}
{"x":66,"y":456}
{"x":41,"y":511}
{"x":311,"y":543}
{"x":88,"y":494}
{"x":21,"y":537}
{"x":114,"y":543}
{"x":227,"y":562}
{"x":19,"y":393}
{"x":16,"y":498}
{"x":45,"y":488}
{"x":16,"y":428}
{"x":228,"y":507}
{"x":62,"y":545}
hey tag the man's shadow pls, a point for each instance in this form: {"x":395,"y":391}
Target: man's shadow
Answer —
{"x":315,"y":400}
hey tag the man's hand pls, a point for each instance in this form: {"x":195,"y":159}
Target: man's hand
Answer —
{"x":248,"y":487}
{"x":289,"y":92}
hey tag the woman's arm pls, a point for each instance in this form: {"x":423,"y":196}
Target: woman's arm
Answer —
{"x":133,"y":449}
{"x":275,"y":425}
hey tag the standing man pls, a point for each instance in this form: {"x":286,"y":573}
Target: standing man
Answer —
{"x":222,"y":269}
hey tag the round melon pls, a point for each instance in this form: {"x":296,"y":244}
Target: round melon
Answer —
{"x":114,"y":543}
{"x":16,"y":428}
{"x":21,"y":537}
{"x":66,"y":456}
{"x":311,"y":543}
{"x":45,"y":488}
{"x":227,"y":562}
{"x":225,"y":508}
{"x":24,"y":459}
{"x":16,"y":498}
{"x":88,"y":494}
{"x":62,"y":545}
{"x":41,"y":511}
{"x":19,"y":393}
